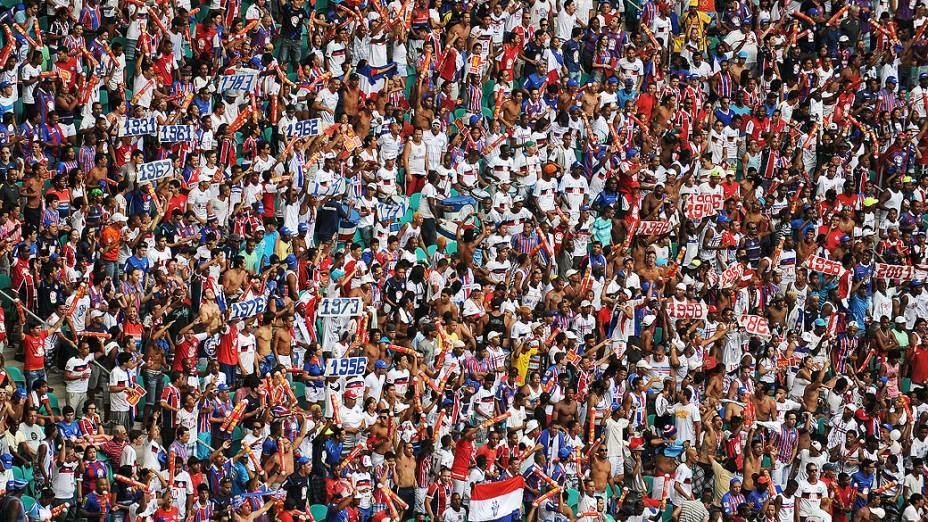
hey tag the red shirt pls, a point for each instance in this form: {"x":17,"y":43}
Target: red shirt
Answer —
{"x":919,"y":365}
{"x":166,"y":516}
{"x":463,"y":452}
{"x":228,"y":347}
{"x":185,"y":350}
{"x":646,"y":103}
{"x":34,"y":352}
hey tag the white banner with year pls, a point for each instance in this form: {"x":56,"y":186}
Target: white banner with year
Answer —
{"x":154,"y":170}
{"x":825,"y":266}
{"x":346,"y":367}
{"x":246,"y":309}
{"x":699,"y":206}
{"x":138,"y":126}
{"x":905,"y":272}
{"x":303,"y":128}
{"x":339,"y":307}
{"x":755,"y":325}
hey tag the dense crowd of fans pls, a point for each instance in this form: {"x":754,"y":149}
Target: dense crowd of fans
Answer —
{"x":368,"y":261}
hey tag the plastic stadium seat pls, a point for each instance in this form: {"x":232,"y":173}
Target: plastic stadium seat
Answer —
{"x":53,"y":402}
{"x":28,"y":502}
{"x":573,"y":496}
{"x":319,"y":511}
{"x":17,"y":375}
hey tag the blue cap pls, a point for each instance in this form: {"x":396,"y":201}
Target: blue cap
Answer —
{"x":743,"y":54}
{"x":474,"y":120}
{"x":563,"y":453}
{"x":916,"y":282}
{"x":302,"y":461}
{"x":820,"y":322}
{"x":7,"y":460}
{"x":337,"y":273}
{"x":734,"y":480}
{"x":584,"y":208}
{"x":845,"y":237}
{"x":629,"y":81}
{"x":576,"y":165}
{"x":813,"y":12}
{"x":302,"y":227}
{"x":291,"y":262}
{"x":222,"y":387}
{"x":570,"y":83}
{"x":631,"y":152}
{"x":922,"y":76}
{"x":4,"y":85}
{"x":381,"y":364}
{"x":286,"y":231}
{"x":20,"y":393}
{"x":891,"y":79}
{"x":612,"y":79}
{"x":722,"y":218}
{"x":384,"y":339}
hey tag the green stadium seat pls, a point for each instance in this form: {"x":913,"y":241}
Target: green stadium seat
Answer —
{"x":573,"y":496}
{"x":319,"y":511}
{"x":5,"y":282}
{"x":421,"y":255}
{"x":17,"y":375}
{"x":28,"y":502}
{"x":452,"y":248}
{"x":432,"y":249}
{"x":53,"y":402}
{"x":906,"y":385}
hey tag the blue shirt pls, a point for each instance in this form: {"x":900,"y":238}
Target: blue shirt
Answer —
{"x":861,"y":483}
{"x":571,"y":50}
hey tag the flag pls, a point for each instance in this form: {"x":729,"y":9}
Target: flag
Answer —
{"x":497,"y":501}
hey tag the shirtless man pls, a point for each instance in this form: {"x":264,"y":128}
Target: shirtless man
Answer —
{"x":444,"y":304}
{"x":511,"y":108}
{"x":406,"y":474}
{"x":381,"y":437}
{"x":209,"y":314}
{"x":234,"y":278}
{"x":753,"y":459}
{"x":282,"y":340}
{"x":647,"y":268}
{"x":764,"y":407}
{"x":351,"y":94}
{"x":263,"y":336}
{"x":653,"y":202}
{"x":589,"y":101}
{"x":601,"y":470}
{"x":565,"y":411}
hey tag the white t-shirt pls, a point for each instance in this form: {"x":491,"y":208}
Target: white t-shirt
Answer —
{"x":810,"y":497}
{"x":82,"y":366}
{"x":197,"y":200}
{"x":685,"y":418}
{"x":119,"y":377}
{"x":28,"y":72}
